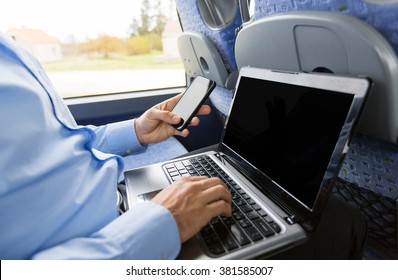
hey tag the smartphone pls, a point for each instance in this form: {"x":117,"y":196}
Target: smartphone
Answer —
{"x":191,"y":100}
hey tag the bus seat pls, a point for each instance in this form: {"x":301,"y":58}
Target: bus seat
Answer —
{"x":210,"y":26}
{"x":342,"y":44}
{"x":200,"y":57}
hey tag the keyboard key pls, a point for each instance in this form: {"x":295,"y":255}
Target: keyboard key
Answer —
{"x":238,"y":215}
{"x":193,"y":172}
{"x":189,"y":168}
{"x":245,"y":223}
{"x":253,"y":233}
{"x":179,"y":166}
{"x":226,"y":237}
{"x":212,"y":240}
{"x":256,"y":207}
{"x":250,"y":201}
{"x":169,"y":166}
{"x":252,"y":215}
{"x":215,"y":220}
{"x":207,"y":231}
{"x":229,"y":221}
{"x":261,"y":212}
{"x":235,"y":208}
{"x":264,"y":228}
{"x":217,"y":249}
{"x":212,"y":173}
{"x":246,"y":208}
{"x":240,"y":235}
{"x":183,"y":172}
{"x":174,"y":173}
{"x":175,"y":177}
{"x":239,"y":201}
{"x":268,"y":219}
{"x":276,"y":227}
{"x":240,"y":191}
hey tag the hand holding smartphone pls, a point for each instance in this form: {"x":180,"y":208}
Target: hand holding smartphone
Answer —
{"x":191,"y":100}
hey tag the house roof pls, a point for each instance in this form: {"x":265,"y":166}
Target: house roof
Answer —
{"x":33,"y":35}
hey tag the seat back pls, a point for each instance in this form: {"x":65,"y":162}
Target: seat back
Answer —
{"x":207,"y":44}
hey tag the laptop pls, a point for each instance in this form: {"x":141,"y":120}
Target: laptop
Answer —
{"x":283,"y":143}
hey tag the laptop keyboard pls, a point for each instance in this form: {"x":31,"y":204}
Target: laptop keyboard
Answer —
{"x":249,"y":223}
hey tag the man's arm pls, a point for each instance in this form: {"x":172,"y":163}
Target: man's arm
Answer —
{"x":148,"y":231}
{"x":117,"y":138}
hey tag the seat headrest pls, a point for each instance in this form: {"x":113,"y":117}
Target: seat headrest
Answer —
{"x":200,"y":57}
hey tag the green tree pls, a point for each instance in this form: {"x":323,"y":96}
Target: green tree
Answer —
{"x":152,"y":19}
{"x":134,"y":26}
{"x":159,"y":19}
{"x":143,"y":29}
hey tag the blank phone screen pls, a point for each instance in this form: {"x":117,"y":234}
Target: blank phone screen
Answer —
{"x":193,"y":97}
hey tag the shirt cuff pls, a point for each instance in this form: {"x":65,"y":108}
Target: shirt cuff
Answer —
{"x":122,"y":138}
{"x":147,"y":231}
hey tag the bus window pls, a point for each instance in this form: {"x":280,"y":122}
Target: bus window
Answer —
{"x":99,"y":47}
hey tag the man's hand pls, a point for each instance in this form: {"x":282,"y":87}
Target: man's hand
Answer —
{"x":194,"y":201}
{"x":155,"y":124}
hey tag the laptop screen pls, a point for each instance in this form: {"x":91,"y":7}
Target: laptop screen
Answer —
{"x":287,"y":132}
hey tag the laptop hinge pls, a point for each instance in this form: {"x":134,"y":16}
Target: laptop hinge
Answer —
{"x":293,"y":219}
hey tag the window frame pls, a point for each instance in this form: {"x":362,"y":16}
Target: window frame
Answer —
{"x":101,"y":109}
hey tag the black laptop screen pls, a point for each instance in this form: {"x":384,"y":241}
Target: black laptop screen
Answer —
{"x":287,"y":132}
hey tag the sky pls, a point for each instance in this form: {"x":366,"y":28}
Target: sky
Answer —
{"x":60,"y":18}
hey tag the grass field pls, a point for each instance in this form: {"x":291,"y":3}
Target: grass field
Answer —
{"x":148,"y":61}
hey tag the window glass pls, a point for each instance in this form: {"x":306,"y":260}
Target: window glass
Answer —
{"x":93,"y":47}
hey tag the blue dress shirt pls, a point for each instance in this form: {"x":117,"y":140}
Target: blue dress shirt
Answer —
{"x":58,"y":180}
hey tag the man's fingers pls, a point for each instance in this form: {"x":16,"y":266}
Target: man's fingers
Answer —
{"x":193,"y":178}
{"x":217,"y":197}
{"x":216,"y":193}
{"x":204,"y":110}
{"x":219,"y":207}
{"x":166,"y":116}
{"x":203,"y":182}
{"x":211,"y":182}
{"x":209,"y":190}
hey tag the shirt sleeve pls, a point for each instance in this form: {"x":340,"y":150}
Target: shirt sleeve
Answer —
{"x":130,"y":236}
{"x":61,"y":192}
{"x":117,"y":138}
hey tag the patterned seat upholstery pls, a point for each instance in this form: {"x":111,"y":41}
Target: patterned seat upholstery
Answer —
{"x":158,"y":152}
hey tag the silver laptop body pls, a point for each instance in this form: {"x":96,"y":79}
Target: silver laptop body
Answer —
{"x":282,"y":146}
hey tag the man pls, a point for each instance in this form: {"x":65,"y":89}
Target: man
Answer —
{"x":58,"y":180}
